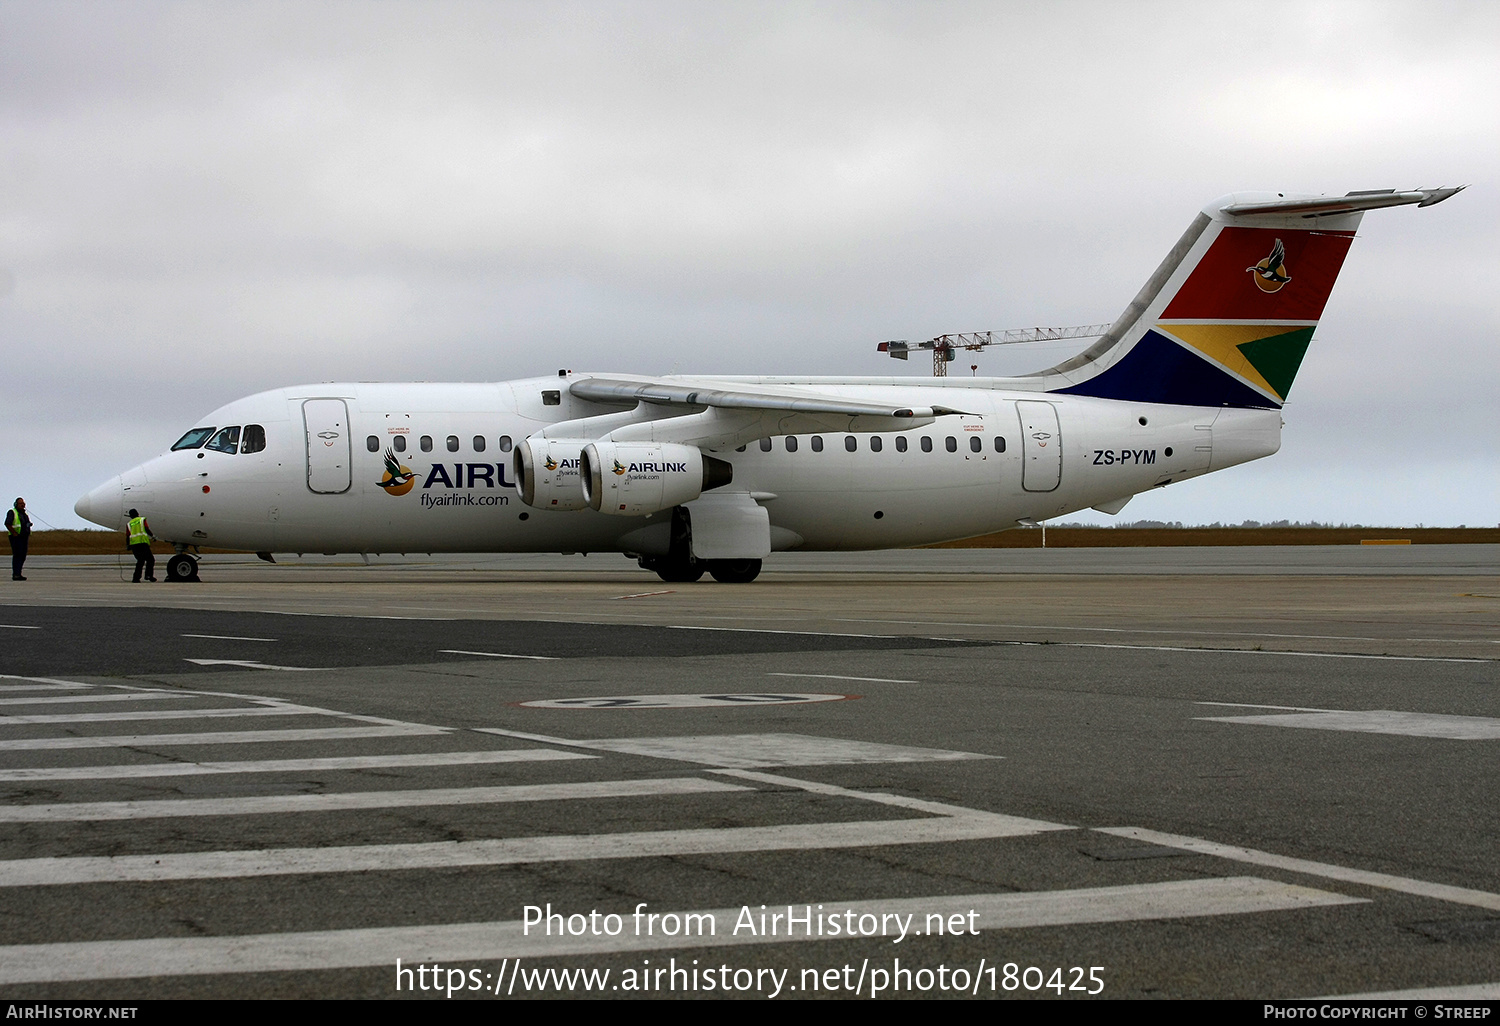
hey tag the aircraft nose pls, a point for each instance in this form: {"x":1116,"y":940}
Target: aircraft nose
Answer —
{"x":104,"y":505}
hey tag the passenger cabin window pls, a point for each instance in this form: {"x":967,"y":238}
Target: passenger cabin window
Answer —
{"x":765,"y":445}
{"x":372,"y":443}
{"x":399,"y":442}
{"x":453,"y":443}
{"x":900,"y":443}
{"x":194,"y":439}
{"x":851,"y":443}
{"x":426,"y":443}
{"x":227,"y":440}
{"x":817,"y":443}
{"x":975,"y":444}
{"x":479,"y":443}
{"x":791,"y":443}
{"x":999,"y":443}
{"x":254,"y":439}
{"x":505,"y":443}
{"x":876,"y":444}
{"x":951,"y":444}
{"x":551,"y":397}
{"x":926,"y":444}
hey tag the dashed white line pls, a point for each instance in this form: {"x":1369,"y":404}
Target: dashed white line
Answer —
{"x":226,"y":637}
{"x":496,"y":655}
{"x":222,"y":737}
{"x":1385,"y":881}
{"x":165,"y":714}
{"x":128,"y":696}
{"x":250,"y":664}
{"x":313,"y":765}
{"x":281,"y":804}
{"x":222,"y":865}
{"x":839,"y":676}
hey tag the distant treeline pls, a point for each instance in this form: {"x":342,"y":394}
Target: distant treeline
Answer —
{"x":1157,"y":533}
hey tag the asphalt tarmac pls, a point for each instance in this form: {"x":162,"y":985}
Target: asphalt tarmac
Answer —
{"x":1018,"y":779}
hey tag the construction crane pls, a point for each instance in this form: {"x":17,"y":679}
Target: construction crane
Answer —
{"x":944,"y":346}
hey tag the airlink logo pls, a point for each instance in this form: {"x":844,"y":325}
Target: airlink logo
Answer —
{"x":399,"y":479}
{"x":656,"y":468}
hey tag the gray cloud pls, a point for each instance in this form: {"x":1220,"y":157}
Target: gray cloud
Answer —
{"x":198,"y":201}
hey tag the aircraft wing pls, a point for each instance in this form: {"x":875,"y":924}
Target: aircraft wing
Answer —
{"x":666,"y":393}
{"x":718,"y":415}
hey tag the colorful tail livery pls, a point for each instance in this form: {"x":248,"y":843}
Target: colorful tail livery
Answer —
{"x":1228,"y":316}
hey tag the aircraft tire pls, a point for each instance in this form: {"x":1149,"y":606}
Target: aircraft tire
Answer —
{"x":674,"y":572}
{"x":734,"y":571}
{"x":181,"y":568}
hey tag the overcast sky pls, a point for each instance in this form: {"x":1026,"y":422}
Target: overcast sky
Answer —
{"x":202,"y":200}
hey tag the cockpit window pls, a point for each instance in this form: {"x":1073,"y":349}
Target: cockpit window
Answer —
{"x":254,"y":439}
{"x":227,"y":440}
{"x":194,"y":439}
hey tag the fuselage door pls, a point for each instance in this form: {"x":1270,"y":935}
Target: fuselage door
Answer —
{"x":1041,"y":446}
{"x":328,"y":452}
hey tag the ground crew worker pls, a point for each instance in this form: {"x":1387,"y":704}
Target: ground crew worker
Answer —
{"x":18,"y":533}
{"x":140,"y":543}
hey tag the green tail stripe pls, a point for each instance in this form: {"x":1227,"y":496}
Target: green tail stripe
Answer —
{"x":1278,"y":357}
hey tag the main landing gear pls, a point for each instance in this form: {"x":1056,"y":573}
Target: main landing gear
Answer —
{"x":182,"y":568}
{"x":686,"y":571}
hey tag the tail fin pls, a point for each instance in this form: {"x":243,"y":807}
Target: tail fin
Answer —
{"x":1228,"y":316}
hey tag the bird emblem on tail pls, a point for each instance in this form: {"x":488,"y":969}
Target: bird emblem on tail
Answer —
{"x":1270,"y":273}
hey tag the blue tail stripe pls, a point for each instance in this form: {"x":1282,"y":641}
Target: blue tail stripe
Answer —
{"x":1158,"y":370}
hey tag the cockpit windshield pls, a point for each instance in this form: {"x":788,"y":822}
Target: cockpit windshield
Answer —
{"x":194,"y":439}
{"x":227,"y":440}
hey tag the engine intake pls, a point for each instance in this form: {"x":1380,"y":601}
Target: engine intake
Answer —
{"x":547,"y":470}
{"x":634,"y":479}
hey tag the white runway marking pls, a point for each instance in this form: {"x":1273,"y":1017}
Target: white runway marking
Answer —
{"x":251,"y":664}
{"x":46,"y":680}
{"x":1378,"y":721}
{"x":836,"y":676}
{"x":1422,"y":888}
{"x":675,"y":701}
{"x":255,"y":805}
{"x":216,"y":865}
{"x":225,"y":637}
{"x":490,"y":942}
{"x":315,"y":765}
{"x":1265,"y":652}
{"x":496,"y":655}
{"x":43,"y":687}
{"x":166,"y":714}
{"x":754,"y":751}
{"x":111,"y":696}
{"x":19,"y":627}
{"x":224,"y":737}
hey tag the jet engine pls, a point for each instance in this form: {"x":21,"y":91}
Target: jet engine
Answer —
{"x":547,"y":471}
{"x":633,"y":479}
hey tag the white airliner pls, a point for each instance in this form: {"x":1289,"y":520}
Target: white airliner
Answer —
{"x":692,"y":475}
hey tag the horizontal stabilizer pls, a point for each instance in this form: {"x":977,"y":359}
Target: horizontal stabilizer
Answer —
{"x":1326,"y":206}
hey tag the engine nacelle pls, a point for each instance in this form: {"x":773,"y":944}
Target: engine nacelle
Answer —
{"x":547,"y":469}
{"x":633,"y":479}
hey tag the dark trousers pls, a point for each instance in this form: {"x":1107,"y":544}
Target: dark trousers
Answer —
{"x":144,"y":560}
{"x":18,"y":543}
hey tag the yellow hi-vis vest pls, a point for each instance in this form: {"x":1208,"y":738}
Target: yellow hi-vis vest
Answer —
{"x":138,"y":533}
{"x":16,"y":521}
